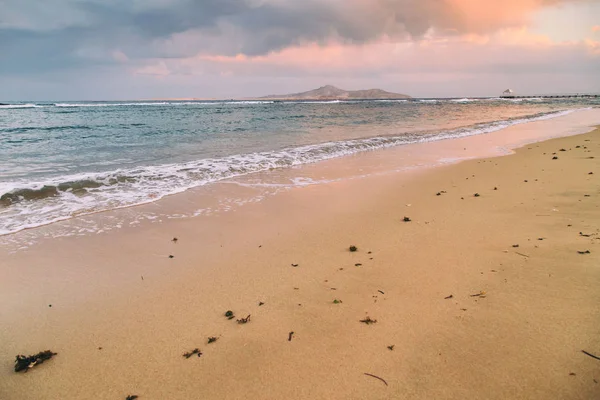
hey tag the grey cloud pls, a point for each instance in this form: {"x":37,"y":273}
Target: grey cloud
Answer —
{"x":42,"y":35}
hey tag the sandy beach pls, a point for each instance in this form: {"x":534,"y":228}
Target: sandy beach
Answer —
{"x":481,"y":279}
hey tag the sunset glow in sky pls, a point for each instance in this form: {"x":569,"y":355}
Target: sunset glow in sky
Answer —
{"x":134,"y":49}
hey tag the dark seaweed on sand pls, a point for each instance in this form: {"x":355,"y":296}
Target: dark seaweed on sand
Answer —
{"x":191,"y":353}
{"x":368,"y":321}
{"x":24,"y":363}
{"x":244,"y":320}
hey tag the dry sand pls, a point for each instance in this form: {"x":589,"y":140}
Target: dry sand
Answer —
{"x":468,"y":314}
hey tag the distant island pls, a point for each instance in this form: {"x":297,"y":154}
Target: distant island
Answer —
{"x":332,"y":93}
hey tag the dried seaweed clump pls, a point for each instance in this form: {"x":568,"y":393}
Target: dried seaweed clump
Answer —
{"x":193,"y":352}
{"x":368,"y":321}
{"x":24,"y":363}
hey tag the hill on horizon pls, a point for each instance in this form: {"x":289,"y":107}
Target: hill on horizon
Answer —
{"x":333,"y":93}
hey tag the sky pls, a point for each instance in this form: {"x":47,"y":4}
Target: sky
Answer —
{"x":150,"y":49}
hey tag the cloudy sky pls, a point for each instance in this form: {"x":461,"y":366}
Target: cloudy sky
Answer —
{"x":142,"y":49}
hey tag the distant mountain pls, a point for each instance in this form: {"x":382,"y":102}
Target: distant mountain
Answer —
{"x":332,"y":93}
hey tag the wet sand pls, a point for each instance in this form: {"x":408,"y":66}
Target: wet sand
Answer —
{"x":478,"y":296}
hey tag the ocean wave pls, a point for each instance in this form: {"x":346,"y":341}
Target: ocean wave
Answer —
{"x":9,"y":106}
{"x":25,"y":204}
{"x":464,"y":100}
{"x":161,"y":103}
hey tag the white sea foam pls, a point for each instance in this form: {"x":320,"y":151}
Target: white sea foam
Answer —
{"x":126,"y":187}
{"x":8,"y":106}
{"x":465,"y":100}
{"x":160,"y":103}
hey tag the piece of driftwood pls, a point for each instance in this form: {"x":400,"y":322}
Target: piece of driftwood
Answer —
{"x":448,"y":297}
{"x":376,"y":377}
{"x":584,"y":252}
{"x":24,"y":363}
{"x":132,"y":397}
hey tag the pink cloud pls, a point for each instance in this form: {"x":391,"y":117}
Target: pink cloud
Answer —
{"x":596,"y":28}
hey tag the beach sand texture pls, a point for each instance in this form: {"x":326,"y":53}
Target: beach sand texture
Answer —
{"x":460,"y":310}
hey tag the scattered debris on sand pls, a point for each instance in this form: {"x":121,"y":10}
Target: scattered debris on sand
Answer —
{"x":476,"y":195}
{"x":212,"y":339}
{"x":336,"y":301}
{"x":290,"y":335}
{"x":407,"y":219}
{"x":295,"y":265}
{"x":260,"y":303}
{"x":24,"y":363}
{"x":352,"y":249}
{"x":584,"y":252}
{"x":132,"y":397}
{"x":449,"y":297}
{"x":391,"y":347}
{"x":229,"y":314}
{"x":171,"y":256}
{"x":191,"y":353}
{"x":244,"y":320}
{"x":174,"y":240}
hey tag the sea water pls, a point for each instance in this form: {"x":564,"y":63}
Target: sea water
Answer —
{"x":59,"y":160}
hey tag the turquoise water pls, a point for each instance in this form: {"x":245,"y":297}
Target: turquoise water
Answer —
{"x":59,"y":160}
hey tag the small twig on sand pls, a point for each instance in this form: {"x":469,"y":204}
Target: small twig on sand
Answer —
{"x":290,"y":336}
{"x":376,"y":377}
{"x":132,"y":397}
{"x":381,"y":291}
{"x":590,"y":354}
{"x":521,"y":254}
{"x":448,"y":297}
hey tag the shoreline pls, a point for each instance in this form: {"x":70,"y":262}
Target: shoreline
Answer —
{"x":307,"y":165}
{"x":522,"y":338}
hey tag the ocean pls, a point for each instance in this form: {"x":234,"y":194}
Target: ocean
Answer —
{"x":61,"y":160}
